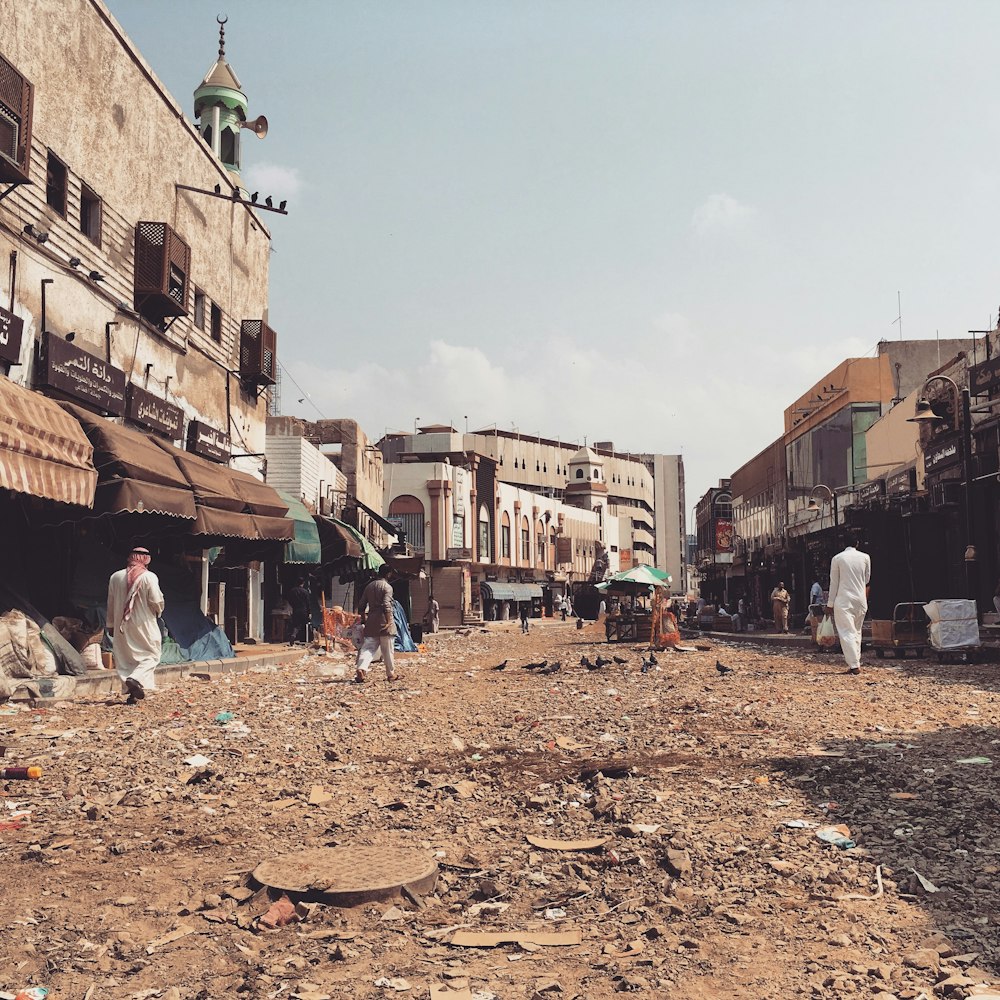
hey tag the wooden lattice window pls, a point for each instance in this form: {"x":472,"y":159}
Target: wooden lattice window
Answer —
{"x":162,"y":272}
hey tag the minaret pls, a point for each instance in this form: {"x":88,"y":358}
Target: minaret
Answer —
{"x":586,"y":486}
{"x":220,"y":106}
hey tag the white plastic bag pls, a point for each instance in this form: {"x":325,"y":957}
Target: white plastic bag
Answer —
{"x":826,"y":634}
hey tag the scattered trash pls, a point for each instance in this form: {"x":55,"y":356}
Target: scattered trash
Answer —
{"x":926,"y":884}
{"x":20,"y":773}
{"x":839,"y":836}
{"x":974,"y":760}
{"x":398,"y":984}
{"x":197,"y":760}
{"x":555,"y":913}
{"x":799,"y":824}
{"x":223,"y":717}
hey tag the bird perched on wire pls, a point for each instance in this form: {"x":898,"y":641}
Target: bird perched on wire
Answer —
{"x":534,"y":666}
{"x":722,"y":668}
{"x":500,"y":666}
{"x":619,"y":659}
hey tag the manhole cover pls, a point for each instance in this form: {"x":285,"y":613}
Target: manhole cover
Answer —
{"x":347,"y":876}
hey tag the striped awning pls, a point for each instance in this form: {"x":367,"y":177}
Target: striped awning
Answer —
{"x":510,"y":591}
{"x":43,"y":450}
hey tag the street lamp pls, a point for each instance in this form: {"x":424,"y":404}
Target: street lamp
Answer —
{"x":924,"y":413}
{"x":828,"y":496}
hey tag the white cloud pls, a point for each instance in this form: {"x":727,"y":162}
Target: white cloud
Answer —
{"x":721,"y":213}
{"x":273,"y":179}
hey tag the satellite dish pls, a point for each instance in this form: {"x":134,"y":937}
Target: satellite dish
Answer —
{"x":259,"y":126}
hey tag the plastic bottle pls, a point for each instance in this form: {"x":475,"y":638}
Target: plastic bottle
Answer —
{"x":32,"y":993}
{"x":20,"y":774}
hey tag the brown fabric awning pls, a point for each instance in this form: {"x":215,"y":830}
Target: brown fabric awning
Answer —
{"x":336,"y":540}
{"x":136,"y":476}
{"x":229,"y":503}
{"x":43,"y":451}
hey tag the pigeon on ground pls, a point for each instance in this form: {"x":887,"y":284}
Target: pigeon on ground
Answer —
{"x":595,"y":666}
{"x":600,"y":661}
{"x":501,"y":666}
{"x":652,"y":658}
{"x":646,"y":665}
{"x":619,"y":659}
{"x":585,"y":661}
{"x":722,"y":668}
{"x":553,"y":668}
{"x":534,"y":666}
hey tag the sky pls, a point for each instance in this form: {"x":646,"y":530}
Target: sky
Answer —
{"x":645,"y":222}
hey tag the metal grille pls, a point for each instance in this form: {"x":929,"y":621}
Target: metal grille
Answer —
{"x":9,"y":132}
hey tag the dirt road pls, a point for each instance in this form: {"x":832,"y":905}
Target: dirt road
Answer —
{"x":131,"y":876}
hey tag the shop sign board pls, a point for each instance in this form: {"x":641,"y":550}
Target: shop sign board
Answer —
{"x":984,"y":377}
{"x":208,"y":442}
{"x":11,"y":331}
{"x":942,"y":455}
{"x":901,"y":484}
{"x":723,"y":535}
{"x":153,"y":413}
{"x":458,"y":555}
{"x":81,"y":377}
{"x":564,"y":549}
{"x":874,"y":490}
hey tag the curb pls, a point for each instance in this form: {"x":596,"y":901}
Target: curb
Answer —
{"x":106,"y":682}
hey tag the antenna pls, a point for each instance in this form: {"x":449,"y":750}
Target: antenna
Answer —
{"x":899,"y":317}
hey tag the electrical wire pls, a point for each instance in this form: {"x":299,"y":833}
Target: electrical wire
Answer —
{"x":304,"y":393}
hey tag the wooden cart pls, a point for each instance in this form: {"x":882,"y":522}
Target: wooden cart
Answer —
{"x":906,"y":630}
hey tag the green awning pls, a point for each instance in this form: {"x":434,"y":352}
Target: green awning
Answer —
{"x":353,"y":540}
{"x":304,"y":548}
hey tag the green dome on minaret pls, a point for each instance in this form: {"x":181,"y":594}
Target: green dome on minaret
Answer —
{"x":220,"y":106}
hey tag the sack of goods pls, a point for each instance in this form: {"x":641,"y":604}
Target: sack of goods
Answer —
{"x":954,"y":624}
{"x":826,"y":634}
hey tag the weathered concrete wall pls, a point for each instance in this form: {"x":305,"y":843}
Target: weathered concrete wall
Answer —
{"x":101,"y":109}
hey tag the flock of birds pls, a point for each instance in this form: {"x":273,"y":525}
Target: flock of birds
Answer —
{"x":544,"y":667}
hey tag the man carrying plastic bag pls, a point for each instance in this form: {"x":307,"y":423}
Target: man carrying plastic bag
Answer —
{"x":850,"y":575}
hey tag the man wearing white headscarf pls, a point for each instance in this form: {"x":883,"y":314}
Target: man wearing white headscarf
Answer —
{"x":134,"y":604}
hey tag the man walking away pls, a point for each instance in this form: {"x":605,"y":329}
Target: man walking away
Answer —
{"x":850,"y":574}
{"x":380,"y":629}
{"x":779,"y":607}
{"x":523,"y":611}
{"x":134,"y":604}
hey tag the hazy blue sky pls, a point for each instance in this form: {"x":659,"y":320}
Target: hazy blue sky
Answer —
{"x":655,"y":223}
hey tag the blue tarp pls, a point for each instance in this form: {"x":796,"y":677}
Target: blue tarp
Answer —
{"x":404,"y":641}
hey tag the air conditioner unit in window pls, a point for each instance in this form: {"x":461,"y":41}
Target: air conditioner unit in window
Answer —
{"x":162,"y":272}
{"x":258,"y":354}
{"x":16,"y":98}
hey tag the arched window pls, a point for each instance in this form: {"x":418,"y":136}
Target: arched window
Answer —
{"x":540,"y":543}
{"x":485,"y":549}
{"x":579,"y":473}
{"x":505,"y":536}
{"x":596,"y":474}
{"x":408,"y":512}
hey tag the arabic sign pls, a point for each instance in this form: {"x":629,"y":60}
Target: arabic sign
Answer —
{"x":458,"y":554}
{"x":82,"y":377}
{"x":902,"y":483}
{"x":156,"y":414}
{"x":942,"y":456}
{"x":208,"y":442}
{"x":984,"y":377}
{"x":872,"y":491}
{"x":11,"y":328}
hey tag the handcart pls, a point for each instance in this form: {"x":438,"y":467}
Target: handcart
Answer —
{"x":906,"y":630}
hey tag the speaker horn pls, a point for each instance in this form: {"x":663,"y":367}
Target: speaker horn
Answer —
{"x":259,"y":126}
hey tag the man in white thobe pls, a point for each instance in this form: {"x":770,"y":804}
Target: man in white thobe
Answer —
{"x":850,"y":574}
{"x":134,"y":603}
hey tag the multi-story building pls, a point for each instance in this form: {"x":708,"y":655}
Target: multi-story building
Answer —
{"x":136,"y":292}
